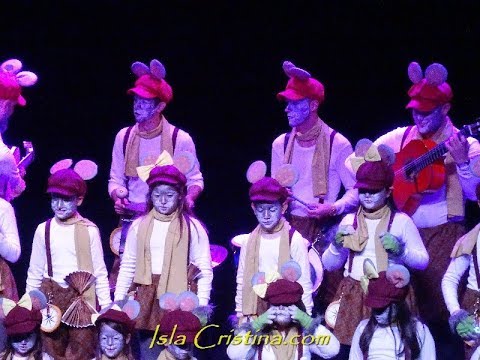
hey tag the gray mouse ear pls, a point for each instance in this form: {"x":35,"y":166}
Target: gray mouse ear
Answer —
{"x":292,"y":71}
{"x":139,"y":68}
{"x":415,"y":73}
{"x":157,"y":69}
{"x":436,"y":74}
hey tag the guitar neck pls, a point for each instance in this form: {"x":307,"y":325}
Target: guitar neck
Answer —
{"x":423,"y":161}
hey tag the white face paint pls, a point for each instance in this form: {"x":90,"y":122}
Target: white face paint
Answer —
{"x":282,"y":315}
{"x":268,"y":214}
{"x":428,"y":122}
{"x":64,"y":207}
{"x":23,"y":344}
{"x":112,"y":342}
{"x":6,"y":110}
{"x":144,"y":109}
{"x":297,"y":111}
{"x":165,"y":199}
{"x":181,"y":352}
{"x":373,"y":200}
{"x":382,"y":315}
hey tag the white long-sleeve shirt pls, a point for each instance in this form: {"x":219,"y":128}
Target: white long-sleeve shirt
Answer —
{"x":9,"y":173}
{"x":9,"y":241}
{"x":325,"y":351}
{"x":149,"y":151}
{"x":452,"y":277}
{"x":64,"y":259}
{"x":415,"y":255}
{"x":268,"y":262}
{"x":433,"y":207}
{"x":386,"y":343}
{"x":199,"y":255}
{"x":338,"y":174}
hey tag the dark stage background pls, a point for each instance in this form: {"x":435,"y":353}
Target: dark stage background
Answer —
{"x":223,"y":61}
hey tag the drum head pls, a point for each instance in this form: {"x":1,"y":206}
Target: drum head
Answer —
{"x":316,"y":268}
{"x":51,"y":317}
{"x":331,"y":313}
{"x":115,"y":240}
{"x":218,"y":253}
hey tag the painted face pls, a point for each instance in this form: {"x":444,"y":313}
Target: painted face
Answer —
{"x":373,"y":199}
{"x":386,"y":315}
{"x":268,"y":214}
{"x":428,"y":122}
{"x":297,"y":111}
{"x":144,"y":109}
{"x":6,"y":110}
{"x":64,"y":207}
{"x":23,"y":344}
{"x":283,"y":316}
{"x":112,"y":342}
{"x":181,"y":352}
{"x":165,"y":199}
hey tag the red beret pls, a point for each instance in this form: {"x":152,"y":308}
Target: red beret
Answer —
{"x":284,"y":292}
{"x":426,"y":97}
{"x":66,"y":182}
{"x":149,"y":87}
{"x":374,"y":175}
{"x":382,"y":292}
{"x":187,"y":324}
{"x":10,"y":89}
{"x":118,"y":317}
{"x":269,"y":190}
{"x":300,"y":89}
{"x":167,"y":174}
{"x":22,"y":321}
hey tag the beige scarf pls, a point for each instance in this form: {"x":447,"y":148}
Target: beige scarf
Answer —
{"x":358,"y":240}
{"x":119,"y":357}
{"x":167,"y":355}
{"x":174,"y":270}
{"x":321,"y":156}
{"x":465,"y":245}
{"x":10,"y":356}
{"x":252,"y":258}
{"x":287,"y":349}
{"x":455,"y":207}
{"x":132,"y":150}
{"x":83,"y":250}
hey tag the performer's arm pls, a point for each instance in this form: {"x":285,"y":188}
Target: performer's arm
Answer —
{"x":469,"y":181}
{"x":9,"y":240}
{"x":195,"y":183}
{"x":299,"y":253}
{"x":117,"y":169}
{"x":201,"y":257}
{"x":322,"y":348}
{"x":127,"y":266}
{"x":241,"y":267}
{"x":355,"y":351}
{"x":349,"y":201}
{"x":38,"y":259}
{"x":239,"y":351}
{"x":415,"y":255}
{"x":427,"y":349}
{"x":451,"y":279}
{"x":102,"y":286}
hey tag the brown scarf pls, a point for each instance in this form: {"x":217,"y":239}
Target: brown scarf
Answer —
{"x":321,"y":156}
{"x":286,"y":350}
{"x":252,"y":258}
{"x":455,"y":207}
{"x":167,"y":355}
{"x":10,"y":356}
{"x":132,"y":150}
{"x":83,"y":250}
{"x":174,"y":270}
{"x":119,"y":357}
{"x":465,"y":245}
{"x":358,"y":240}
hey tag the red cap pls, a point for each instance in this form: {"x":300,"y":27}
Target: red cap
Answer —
{"x":10,"y":89}
{"x":374,"y":175}
{"x":269,"y":190}
{"x":22,"y":321}
{"x":66,"y":182}
{"x":382,"y":292}
{"x":426,"y":97}
{"x":284,"y":292}
{"x":167,"y":174}
{"x":118,"y":317}
{"x":300,"y":89}
{"x":187,"y":324}
{"x":149,"y":87}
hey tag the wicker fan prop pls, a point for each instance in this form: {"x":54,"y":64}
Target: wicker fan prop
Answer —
{"x":79,"y":313}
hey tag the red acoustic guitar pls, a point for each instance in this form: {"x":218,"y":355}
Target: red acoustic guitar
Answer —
{"x":419,"y":168}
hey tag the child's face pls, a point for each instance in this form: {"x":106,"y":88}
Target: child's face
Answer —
{"x":165,"y":199}
{"x":268,"y":214}
{"x":373,"y":200}
{"x":64,"y":207}
{"x":23,"y":344}
{"x":112,"y":342}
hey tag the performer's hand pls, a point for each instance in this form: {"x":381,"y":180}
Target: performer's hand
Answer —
{"x":189,"y":201}
{"x":458,"y":148}
{"x":321,"y":211}
{"x":121,"y":207}
{"x":392,"y":244}
{"x":463,"y":324}
{"x":263,"y":320}
{"x":342,"y":231}
{"x":300,"y":316}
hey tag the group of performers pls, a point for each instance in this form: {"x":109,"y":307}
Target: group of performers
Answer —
{"x":365,"y":246}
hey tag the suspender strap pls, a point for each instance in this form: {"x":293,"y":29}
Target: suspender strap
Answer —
{"x":475,"y":265}
{"x":189,"y":240}
{"x":174,"y":138}
{"x":125,"y":139}
{"x":47,"y":248}
{"x":405,"y":134}
{"x":285,"y":141}
{"x":290,"y":235}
